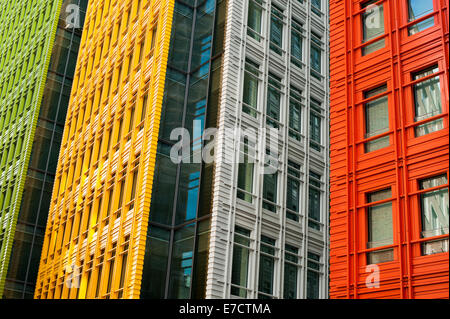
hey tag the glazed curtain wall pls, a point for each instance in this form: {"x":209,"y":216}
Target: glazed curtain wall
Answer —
{"x":27,"y":33}
{"x":176,"y":256}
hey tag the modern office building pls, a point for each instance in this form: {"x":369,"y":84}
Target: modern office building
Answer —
{"x":389,"y":149}
{"x":38,"y":50}
{"x":132,"y":218}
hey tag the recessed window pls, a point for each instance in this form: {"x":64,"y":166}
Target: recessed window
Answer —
{"x":245,"y":172}
{"x":254,"y":19}
{"x":291,"y":266}
{"x":315,"y":125}
{"x":416,"y":10}
{"x":316,"y":56}
{"x":295,"y":112}
{"x":376,"y":119}
{"x":316,"y":7}
{"x":379,"y":224}
{"x":372,"y":21}
{"x":240,"y":266}
{"x":434,"y":207}
{"x":270,"y":191}
{"x":313,"y":276}
{"x":266,"y":268}
{"x":250,"y":94}
{"x":273,"y":100}
{"x":314,"y":200}
{"x":427,"y":101}
{"x":293,"y":191}
{"x":296,"y":43}
{"x":276,"y":29}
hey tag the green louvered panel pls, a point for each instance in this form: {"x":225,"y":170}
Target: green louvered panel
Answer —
{"x":27,"y":32}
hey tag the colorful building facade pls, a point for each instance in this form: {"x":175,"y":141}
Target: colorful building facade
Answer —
{"x":36,"y":65}
{"x":389,"y":150}
{"x":29,"y":234}
{"x":126,"y":220}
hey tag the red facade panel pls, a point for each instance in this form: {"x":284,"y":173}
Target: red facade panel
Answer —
{"x":397,"y":159}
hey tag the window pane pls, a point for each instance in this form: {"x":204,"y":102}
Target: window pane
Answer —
{"x":290,"y":281}
{"x":419,"y":8}
{"x":429,"y":127}
{"x":245,"y":181}
{"x":312,"y":289}
{"x":377,"y":119}
{"x":270,"y":191}
{"x":155,"y":260}
{"x":316,"y":59}
{"x":181,"y":263}
{"x":254,"y":19}
{"x":427,"y":101}
{"x":276,"y":30}
{"x":294,"y":119}
{"x":380,"y":256}
{"x":427,"y":95}
{"x":316,"y":6}
{"x":379,"y":220}
{"x":373,"y":26}
{"x":250,"y":94}
{"x":165,"y":176}
{"x":245,"y":176}
{"x":292,"y":196}
{"x":273,"y":100}
{"x":416,"y":10}
{"x":239,"y":272}
{"x":314,"y":207}
{"x":296,"y":44}
{"x":313,"y":276}
{"x":266,"y":266}
{"x":434,"y":207}
{"x":315,"y":128}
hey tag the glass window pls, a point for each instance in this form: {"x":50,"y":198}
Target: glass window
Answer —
{"x":165,"y":177}
{"x":380,"y":231}
{"x":270,"y":192}
{"x":273,"y":100}
{"x":295,"y":110}
{"x":266,"y":268}
{"x":290,"y":272}
{"x":376,"y":119}
{"x":416,"y":10}
{"x":296,"y":43}
{"x":245,"y":173}
{"x":254,"y":19}
{"x":427,"y":101}
{"x":241,"y":256}
{"x":293,"y":191}
{"x":276,"y":29}
{"x":372,"y":21}
{"x":316,"y":7}
{"x":313,"y":276}
{"x":155,"y":259}
{"x":181,"y":263}
{"x":250,"y":94}
{"x":434,"y":207}
{"x":316,"y":56}
{"x":314,"y":200}
{"x":315,"y":125}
